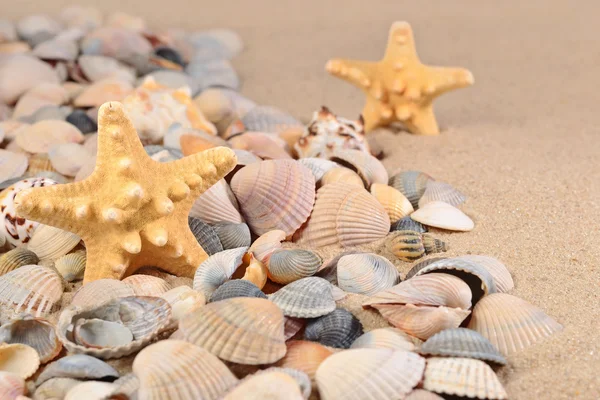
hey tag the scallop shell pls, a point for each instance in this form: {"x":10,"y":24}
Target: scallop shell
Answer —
{"x":19,"y":359}
{"x":269,"y":119}
{"x":97,"y":333}
{"x":232,"y":235}
{"x":17,"y":258}
{"x":205,"y":235}
{"x":394,"y":202}
{"x":236,"y":288}
{"x":440,"y":191}
{"x":12,"y":165}
{"x":102,"y":91}
{"x":97,"y":68}
{"x":266,"y":244}
{"x":292,"y":326}
{"x":462,"y":342}
{"x":305,"y":298}
{"x":462,"y":377}
{"x":242,"y":330}
{"x":369,"y":374}
{"x":345,"y":215}
{"x":217,"y":204}
{"x":502,"y":278}
{"x":444,"y":216}
{"x":342,"y":175}
{"x":185,"y":372}
{"x":304,"y":356}
{"x":368,"y":167}
{"x":31,"y":287}
{"x":385,"y":338}
{"x":50,"y":243}
{"x":318,"y":166}
{"x":337,"y":329}
{"x":68,"y":158}
{"x":366,"y":273}
{"x":127,"y":385}
{"x":78,"y":366}
{"x":182,"y":300}
{"x":411,"y":184}
{"x":264,"y":145}
{"x":60,"y":49}
{"x":286,"y":266}
{"x":71,"y":266}
{"x":146,"y":285}
{"x":119,"y":43}
{"x":99,"y":292}
{"x":91,"y":390}
{"x":273,"y":385}
{"x":410,"y":245}
{"x":274,"y":194}
{"x":11,"y":386}
{"x":511,"y":324}
{"x":217,"y":269}
{"x":55,"y":388}
{"x":22,"y":65}
{"x":36,"y":333}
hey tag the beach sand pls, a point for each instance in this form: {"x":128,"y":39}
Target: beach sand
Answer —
{"x":522,"y":143}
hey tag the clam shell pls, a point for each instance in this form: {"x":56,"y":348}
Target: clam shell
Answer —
{"x":21,"y":72}
{"x":71,"y":266}
{"x":337,"y":329}
{"x":214,"y":73}
{"x":205,"y":235}
{"x":36,"y":333}
{"x":305,"y":298}
{"x":31,"y":287}
{"x":286,"y":266}
{"x":50,"y":243}
{"x":61,"y":49}
{"x":328,"y":270}
{"x":30,"y":26}
{"x":269,"y":119}
{"x":462,"y":342}
{"x":502,"y":278}
{"x":274,"y":194}
{"x":385,"y":338}
{"x":236,"y":288}
{"x":99,"y":292}
{"x":273,"y":385}
{"x":266,"y":244}
{"x":366,"y":273}
{"x":233,"y":235}
{"x":68,"y":158}
{"x":411,"y":184}
{"x":146,"y":285}
{"x":78,"y":366}
{"x":420,"y":394}
{"x":41,"y":136}
{"x":100,"y":92}
{"x":19,"y":359}
{"x":394,"y":202}
{"x":16,"y":258}
{"x":119,"y":43}
{"x":82,"y":121}
{"x":462,"y":377}
{"x":256,"y":272}
{"x":98,"y":68}
{"x":304,"y":356}
{"x":55,"y":388}
{"x":11,"y":386}
{"x":342,"y":175}
{"x":369,"y":374}
{"x":217,"y":269}
{"x":217,"y":204}
{"x":264,"y":145}
{"x":182,"y":300}
{"x":444,"y":216}
{"x":370,"y":169}
{"x":91,"y":390}
{"x":97,"y":333}
{"x":511,"y":324}
{"x":318,"y":166}
{"x":185,"y":372}
{"x":242,"y":330}
{"x":344,"y":215}
{"x":38,"y":97}
{"x":440,"y":191}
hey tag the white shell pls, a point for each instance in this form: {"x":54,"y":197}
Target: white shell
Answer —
{"x":12,"y":165}
{"x":217,"y":269}
{"x":68,"y":158}
{"x":31,"y":287}
{"x":50,"y":243}
{"x":442,"y":215}
{"x":217,"y":204}
{"x":366,"y":273}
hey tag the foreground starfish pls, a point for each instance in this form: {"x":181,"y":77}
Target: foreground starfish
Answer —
{"x":132,"y":211}
{"x":399,"y":87}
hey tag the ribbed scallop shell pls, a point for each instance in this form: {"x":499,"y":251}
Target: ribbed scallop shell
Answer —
{"x":441,"y":191}
{"x":422,"y":321}
{"x":217,"y":204}
{"x":386,"y":338}
{"x":305,"y":298}
{"x":182,"y":300}
{"x":236,"y":288}
{"x":233,"y":235}
{"x":77,"y":366}
{"x":217,"y":269}
{"x":242,"y":330}
{"x":370,"y":169}
{"x":411,"y":184}
{"x":274,"y":194}
{"x":462,"y":377}
{"x":127,"y":385}
{"x":272,"y":385}
{"x":511,"y":324}
{"x":50,"y":243}
{"x":502,"y":278}
{"x":408,"y":224}
{"x":286,"y":266}
{"x":35,"y":333}
{"x":40,"y":162}
{"x":292,"y":326}
{"x":264,"y":145}
{"x":11,"y":386}
{"x":19,"y":359}
{"x":266,"y":244}
{"x":55,"y":388}
{"x":16,"y":258}
{"x":100,"y":291}
{"x":342,"y":175}
{"x":337,"y":329}
{"x":444,"y":216}
{"x":304,"y":356}
{"x":301,"y":378}
{"x":366,"y":273}
{"x":318,"y":166}
{"x":344,"y":215}
{"x":146,"y":285}
{"x":269,"y":119}
{"x":71,"y":266}
{"x":394,"y":202}
{"x":205,"y":235}
{"x":31,"y":287}
{"x":369,"y":374}
{"x":462,"y":342}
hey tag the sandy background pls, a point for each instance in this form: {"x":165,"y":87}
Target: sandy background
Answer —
{"x":523,"y":143}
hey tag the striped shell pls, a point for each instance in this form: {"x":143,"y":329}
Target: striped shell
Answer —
{"x":337,"y":329}
{"x":342,"y":175}
{"x":71,"y":266}
{"x":100,"y":291}
{"x":205,"y":235}
{"x":31,"y":287}
{"x":411,"y":184}
{"x":462,"y":342}
{"x":286,"y":266}
{"x":16,"y":258}
{"x":366,"y":273}
{"x":444,"y":216}
{"x":410,"y":245}
{"x":385,"y":338}
{"x":318,"y":166}
{"x":217,"y":269}
{"x":236,"y":288}
{"x":304,"y":356}
{"x":344,"y":215}
{"x":441,"y":191}
{"x":510,"y":323}
{"x":50,"y":243}
{"x":242,"y":330}
{"x":19,"y":359}
{"x":370,"y":169}
{"x":274,"y":194}
{"x":77,"y":366}
{"x":269,"y":119}
{"x":217,"y":204}
{"x":502,"y":278}
{"x":233,"y":235}
{"x":127,"y":385}
{"x":11,"y":386}
{"x":35,"y":333}
{"x":292,"y":326}
{"x":305,"y":298}
{"x":146,"y":285}
{"x":422,"y":264}
{"x":272,"y":385}
{"x":394,"y":202}
{"x":182,"y":300}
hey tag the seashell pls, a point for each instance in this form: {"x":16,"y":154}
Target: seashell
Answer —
{"x":78,"y":366}
{"x":172,"y":79}
{"x":14,"y":47}
{"x":269,"y":119}
{"x":169,"y":54}
{"x":68,"y":158}
{"x":233,"y":235}
{"x":421,"y":321}
{"x":242,"y":330}
{"x":50,"y":243}
{"x":41,"y":136}
{"x":57,"y":49}
{"x":337,"y":293}
{"x":292,"y":326}
{"x":304,"y":356}
{"x":408,"y":224}
{"x":22,"y":65}
{"x":274,"y":194}
{"x":342,"y":175}
{"x":264,"y":145}
{"x":196,"y":142}
{"x":366,"y":166}
{"x":337,"y":329}
{"x":99,"y":292}
{"x":394,"y":202}
{"x":127,"y":385}
{"x":185,"y":372}
{"x":318,"y":166}
{"x":35,"y":333}
{"x":266,"y":244}
{"x":82,"y":121}
{"x":205,"y":235}
{"x":462,"y":377}
{"x":39,"y":96}
{"x":511,"y":324}
{"x":383,"y":374}
{"x":216,"y":43}
{"x":236,"y":288}
{"x":345,"y":215}
{"x":11,"y":385}
{"x":421,"y":394}
{"x":9,"y":129}
{"x":217,"y":204}
{"x":182,"y":300}
{"x":222,"y":106}
{"x":8,"y":31}
{"x":31,"y":287}
{"x":50,"y":112}
{"x":146,"y":285}
{"x":40,"y":162}
{"x":245,"y":157}
{"x":84,"y":17}
{"x":385,"y":338}
{"x":17,"y":258}
{"x":145,"y":317}
{"x":409,"y":245}
{"x":213,"y":73}
{"x":461,"y":342}
{"x":302,"y":379}
{"x":162,"y":153}
{"x":286,"y":266}
{"x":502,"y":279}
{"x":444,"y":216}
{"x":411,"y":184}
{"x":366,"y":273}
{"x":422,"y":264}
{"x":119,"y":43}
{"x":98,"y":334}
{"x":71,"y":266}
{"x":268,"y":384}
{"x":55,"y":388}
{"x":31,"y":25}
{"x":256,"y":272}
{"x":102,"y":91}
{"x":217,"y":269}
{"x":441,"y":191}
{"x":305,"y":298}
{"x":328,"y":270}
{"x":91,"y":390}
{"x":19,"y":359}
{"x":99,"y":68}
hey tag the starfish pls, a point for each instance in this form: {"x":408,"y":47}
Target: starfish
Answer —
{"x":131,"y":211}
{"x":399,"y":87}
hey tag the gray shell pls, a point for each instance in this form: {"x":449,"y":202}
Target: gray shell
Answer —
{"x":408,"y":224}
{"x":205,"y":235}
{"x":337,"y":329}
{"x":78,"y":366}
{"x":214,"y":73}
{"x":236,"y":288}
{"x":422,"y":264}
{"x":462,"y":342}
{"x":82,"y":121}
{"x":305,"y":298}
{"x":233,"y":235}
{"x":174,"y":154}
{"x":16,"y":258}
{"x":269,"y":120}
{"x":411,"y":184}
{"x":286,"y":266}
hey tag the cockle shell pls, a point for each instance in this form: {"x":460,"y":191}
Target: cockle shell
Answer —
{"x":242,"y":330}
{"x":19,"y":359}
{"x":511,"y":324}
{"x":274,"y":194}
{"x":369,"y":374}
{"x":409,"y":245}
{"x":304,"y":356}
{"x":99,"y":292}
{"x":232,"y":234}
{"x":119,"y":43}
{"x":461,"y":342}
{"x":264,"y":145}
{"x":273,"y":385}
{"x":11,"y":386}
{"x":91,"y":390}
{"x":185,"y":372}
{"x":394,"y":202}
{"x":40,"y":96}
{"x":411,"y":184}
{"x":16,"y":258}
{"x":146,"y":285}
{"x":68,"y":158}
{"x":292,"y":326}
{"x":305,"y":298}
{"x":97,"y":68}
{"x":41,"y":136}
{"x":102,"y":91}
{"x":345,"y":215}
{"x":502,"y":278}
{"x":84,"y":123}
{"x":97,"y":333}
{"x":217,"y":269}
{"x":205,"y":235}
{"x":50,"y":243}
{"x":36,"y":333}
{"x":31,"y":287}
{"x":286,"y":266}
{"x":236,"y":288}
{"x":462,"y":377}
{"x":386,"y":338}
{"x":217,"y":204}
{"x":366,"y":273}
{"x":22,"y":65}
{"x":342,"y":175}
{"x":78,"y":366}
{"x":368,"y":167}
{"x":266,"y":244}
{"x":441,"y":191}
{"x":182,"y":300}
{"x":269,"y":119}
{"x":337,"y":329}
{"x":444,"y":216}
{"x":71,"y":266}
{"x":318,"y":166}
{"x":408,"y":224}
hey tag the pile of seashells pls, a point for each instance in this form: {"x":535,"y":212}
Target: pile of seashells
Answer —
{"x":268,"y":314}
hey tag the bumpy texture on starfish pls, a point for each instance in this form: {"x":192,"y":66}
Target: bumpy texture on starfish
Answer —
{"x":132,"y":211}
{"x":399,"y":87}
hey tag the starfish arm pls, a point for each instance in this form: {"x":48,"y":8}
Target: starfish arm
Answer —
{"x":401,"y":46}
{"x":422,"y":121}
{"x":376,"y":113}
{"x":440,"y":80}
{"x":358,"y":73}
{"x":104,"y":260}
